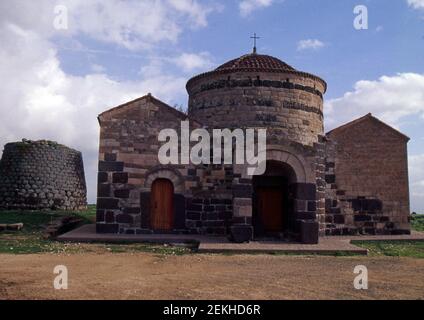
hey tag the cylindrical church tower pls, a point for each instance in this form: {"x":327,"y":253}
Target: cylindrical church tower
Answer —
{"x":257,"y":91}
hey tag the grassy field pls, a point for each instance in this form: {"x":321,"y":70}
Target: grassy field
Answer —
{"x":413,"y":249}
{"x":417,"y":222}
{"x":30,"y":239}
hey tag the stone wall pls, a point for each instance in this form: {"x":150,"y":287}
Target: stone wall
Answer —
{"x":289,"y":105}
{"x":41,"y":175}
{"x":366,"y":179}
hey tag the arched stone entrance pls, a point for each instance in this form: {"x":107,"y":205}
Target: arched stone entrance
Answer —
{"x":273,"y":210}
{"x":162,"y":201}
{"x":288,"y":192}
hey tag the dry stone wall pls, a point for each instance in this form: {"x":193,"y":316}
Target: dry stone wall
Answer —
{"x":42,"y":175}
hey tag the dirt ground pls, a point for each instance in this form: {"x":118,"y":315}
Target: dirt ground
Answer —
{"x":150,"y":276}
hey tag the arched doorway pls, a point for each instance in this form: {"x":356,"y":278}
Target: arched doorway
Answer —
{"x":162,"y":205}
{"x":272,"y":201}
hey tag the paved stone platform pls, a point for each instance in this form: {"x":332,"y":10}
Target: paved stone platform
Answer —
{"x":213,"y":244}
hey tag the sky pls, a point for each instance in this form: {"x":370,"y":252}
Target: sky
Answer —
{"x":64,"y":62}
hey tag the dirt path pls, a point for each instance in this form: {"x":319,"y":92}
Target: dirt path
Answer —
{"x":148,"y":276}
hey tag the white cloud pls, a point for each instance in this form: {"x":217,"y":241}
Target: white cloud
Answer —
{"x":416,"y":169}
{"x":389,"y":98}
{"x":190,"y":62}
{"x":97,"y":68}
{"x":246,"y":7}
{"x":416,"y":4}
{"x":198,"y":13}
{"x":132,"y":24}
{"x":313,"y":44}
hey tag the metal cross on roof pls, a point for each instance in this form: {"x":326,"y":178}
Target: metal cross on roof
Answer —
{"x":254,"y":42}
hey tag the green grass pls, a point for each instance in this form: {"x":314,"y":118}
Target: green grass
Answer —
{"x":417,"y":222}
{"x":413,"y":249}
{"x":35,"y":220}
{"x":30,"y":240}
{"x":161,"y":250}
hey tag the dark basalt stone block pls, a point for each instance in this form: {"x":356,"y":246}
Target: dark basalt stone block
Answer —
{"x":111,"y":166}
{"x":132,"y":210}
{"x":100,"y":215}
{"x":242,"y":191}
{"x":102,"y":177}
{"x":109,"y":217}
{"x":122,"y":193}
{"x":339,"y":219}
{"x":304,"y":191}
{"x":241,"y":233}
{"x":107,"y":228}
{"x":305,"y":215}
{"x":373,"y":205}
{"x":335,"y":210}
{"x":110,"y":157}
{"x":103,"y":190}
{"x":309,"y":232}
{"x":330,"y":178}
{"x":400,"y":232}
{"x":107,"y":203}
{"x":180,"y":211}
{"x":195,"y":207}
{"x":209,"y":208}
{"x":328,"y":204}
{"x":145,"y":210}
{"x":193,"y":215}
{"x":360,"y":218}
{"x":312,"y":206}
{"x":124,"y":218}
{"x":120,"y":177}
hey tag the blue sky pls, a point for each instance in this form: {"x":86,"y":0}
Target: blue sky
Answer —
{"x":58,"y":80}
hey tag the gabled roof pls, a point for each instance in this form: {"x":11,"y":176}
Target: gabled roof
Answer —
{"x":369,"y":116}
{"x":148,"y":98}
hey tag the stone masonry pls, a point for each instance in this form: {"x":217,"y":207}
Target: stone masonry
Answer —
{"x":366,"y":179}
{"x":41,"y":175}
{"x":321,"y":190}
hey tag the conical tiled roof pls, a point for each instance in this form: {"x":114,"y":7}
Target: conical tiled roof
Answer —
{"x":256,"y":62}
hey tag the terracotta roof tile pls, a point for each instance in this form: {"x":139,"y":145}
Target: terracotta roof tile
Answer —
{"x":256,"y":62}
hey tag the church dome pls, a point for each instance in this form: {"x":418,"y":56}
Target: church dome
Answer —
{"x":256,"y":62}
{"x":253,"y":63}
{"x":260,"y":91}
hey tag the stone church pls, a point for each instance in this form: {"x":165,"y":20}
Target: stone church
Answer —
{"x":351,"y":181}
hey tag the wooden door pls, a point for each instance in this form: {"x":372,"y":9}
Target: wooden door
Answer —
{"x":162,"y":205}
{"x":270,"y":208}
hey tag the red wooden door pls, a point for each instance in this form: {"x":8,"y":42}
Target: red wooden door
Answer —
{"x":162,"y":205}
{"x":270,"y":207}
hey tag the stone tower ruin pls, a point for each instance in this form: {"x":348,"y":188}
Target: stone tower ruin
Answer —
{"x":42,"y":175}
